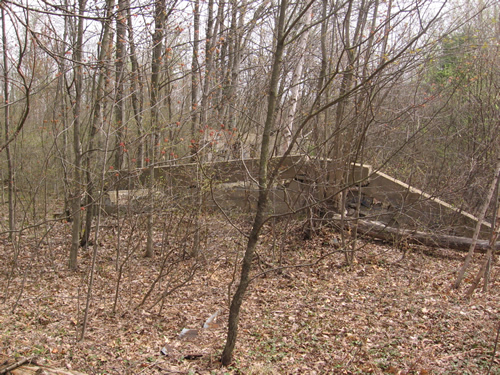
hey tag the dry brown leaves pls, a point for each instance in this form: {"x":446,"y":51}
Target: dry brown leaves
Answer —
{"x":384,"y":314}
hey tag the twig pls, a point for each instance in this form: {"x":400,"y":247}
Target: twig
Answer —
{"x":310,"y":264}
{"x":494,"y":350}
{"x":15,"y":365}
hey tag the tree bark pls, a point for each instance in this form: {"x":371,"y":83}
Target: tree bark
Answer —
{"x":486,"y":266}
{"x":77,"y":148}
{"x":482,"y":214}
{"x":156,"y":64}
{"x":209,"y":75}
{"x":237,"y":300}
{"x":96,"y":115}
{"x":195,"y":76}
{"x":121,"y":30}
{"x":295,"y":85}
{"x":10,"y":162}
{"x":136,"y":86}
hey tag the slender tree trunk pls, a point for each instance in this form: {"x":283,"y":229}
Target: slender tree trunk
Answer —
{"x":239,"y":35}
{"x":319,"y":130}
{"x":96,"y":242}
{"x":96,"y":116}
{"x":496,"y":232}
{"x":195,"y":77}
{"x":219,"y":58}
{"x":10,"y":162}
{"x":60,"y":116}
{"x":236,"y":47}
{"x":480,"y":220}
{"x":121,"y":30}
{"x":232,"y":72}
{"x":318,"y":135}
{"x":340,"y":142}
{"x":201,"y":114}
{"x":294,"y":85}
{"x":208,"y":77}
{"x":154,"y":102}
{"x":483,"y":271}
{"x":486,"y":264}
{"x":77,"y":148}
{"x":387,"y":30}
{"x":136,"y":87}
{"x":259,"y":219}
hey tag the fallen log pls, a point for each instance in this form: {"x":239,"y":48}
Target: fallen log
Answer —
{"x":27,"y":366}
{"x":379,"y":230}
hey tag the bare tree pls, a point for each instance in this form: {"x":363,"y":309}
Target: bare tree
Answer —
{"x":303,"y":29}
{"x":259,"y":218}
{"x":121,"y":30}
{"x":195,"y":76}
{"x":156,"y":64}
{"x":11,"y":135}
{"x":480,"y":221}
{"x":136,"y":87}
{"x":99,"y":98}
{"x":350,"y":86}
{"x":76,"y":194}
{"x":10,"y":166}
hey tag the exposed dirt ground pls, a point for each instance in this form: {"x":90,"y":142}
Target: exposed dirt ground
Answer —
{"x":384,"y":314}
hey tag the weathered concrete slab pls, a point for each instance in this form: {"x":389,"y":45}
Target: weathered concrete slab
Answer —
{"x":232,"y":186}
{"x":190,"y":174}
{"x":413,"y":208}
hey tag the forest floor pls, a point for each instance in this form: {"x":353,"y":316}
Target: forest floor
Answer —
{"x":384,"y":314}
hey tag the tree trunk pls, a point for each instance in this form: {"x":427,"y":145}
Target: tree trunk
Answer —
{"x":10,"y":162}
{"x":195,"y":118}
{"x":480,"y":220}
{"x":96,"y":115}
{"x":155,"y":110}
{"x":259,"y":219}
{"x":61,"y":108}
{"x":77,"y":183}
{"x":208,"y":77}
{"x":295,"y":85}
{"x":195,"y":76}
{"x":121,"y":30}
{"x":136,"y":87}
{"x":486,"y":266}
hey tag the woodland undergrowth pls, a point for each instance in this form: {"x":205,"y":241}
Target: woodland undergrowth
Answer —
{"x":306,"y":311}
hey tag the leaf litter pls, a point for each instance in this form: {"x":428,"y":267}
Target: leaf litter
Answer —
{"x":385,"y":314}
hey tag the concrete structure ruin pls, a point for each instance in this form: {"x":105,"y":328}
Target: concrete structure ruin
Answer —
{"x":302,"y":184}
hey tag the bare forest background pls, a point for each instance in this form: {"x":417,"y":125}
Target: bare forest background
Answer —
{"x":98,"y":95}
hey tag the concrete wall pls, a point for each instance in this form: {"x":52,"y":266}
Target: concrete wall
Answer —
{"x":413,"y":208}
{"x":232,"y":186}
